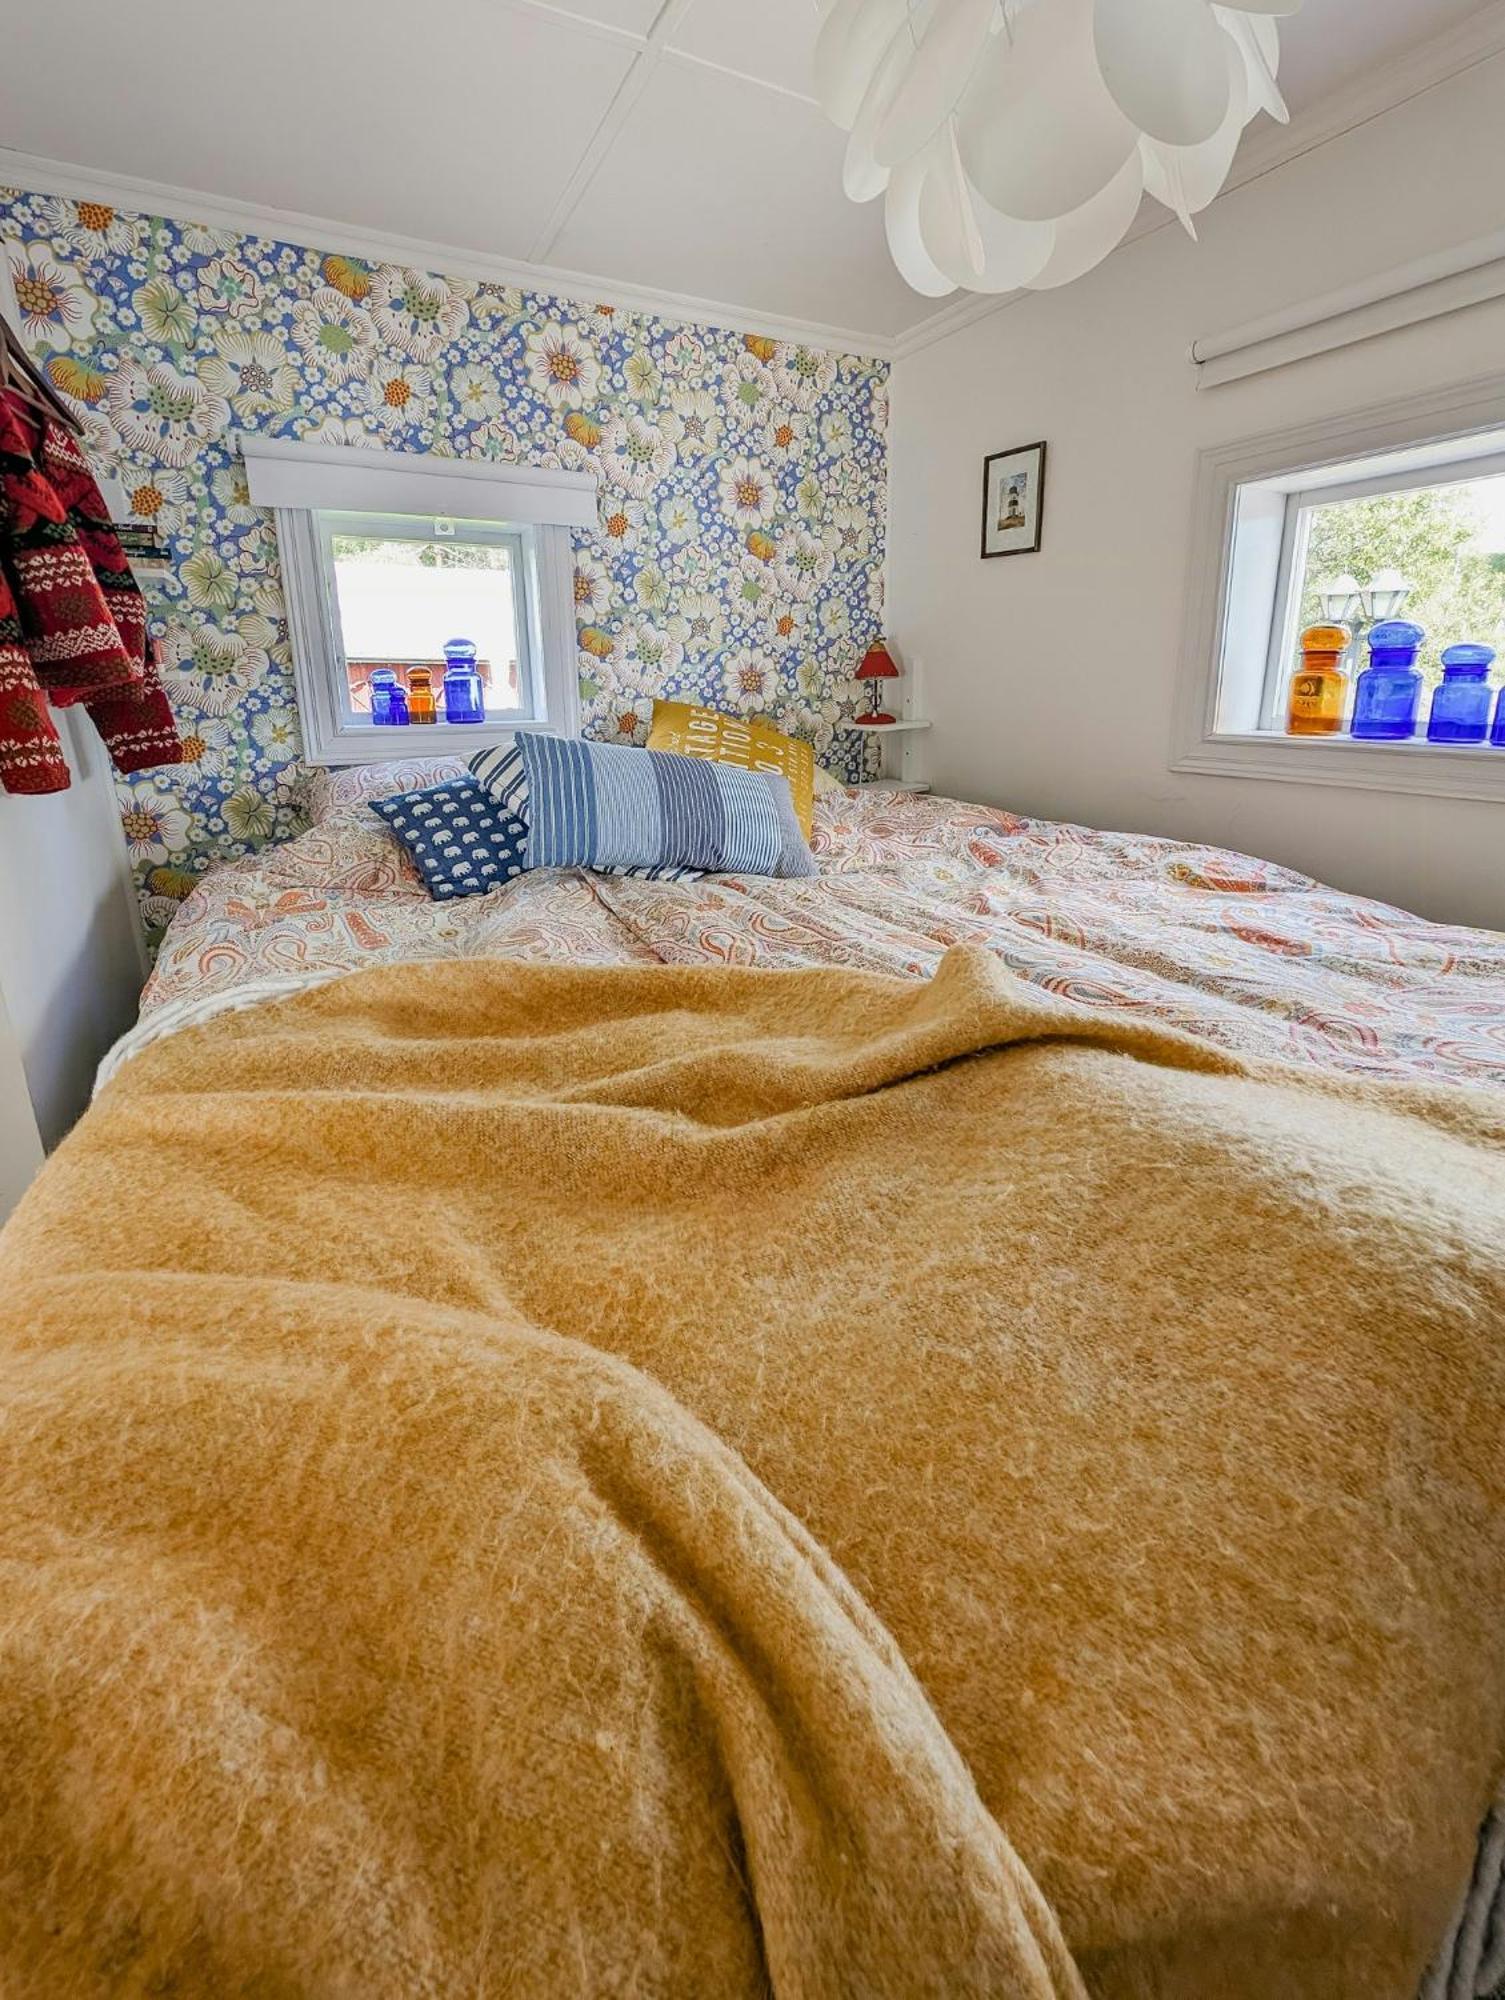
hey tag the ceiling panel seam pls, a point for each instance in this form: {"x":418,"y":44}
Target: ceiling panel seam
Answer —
{"x":634,"y":39}
{"x":584,"y":24}
{"x":615,"y":116}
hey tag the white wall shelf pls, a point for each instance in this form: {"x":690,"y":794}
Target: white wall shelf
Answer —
{"x":902,"y":762}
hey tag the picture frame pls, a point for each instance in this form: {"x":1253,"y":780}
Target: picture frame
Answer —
{"x":1013,"y":501}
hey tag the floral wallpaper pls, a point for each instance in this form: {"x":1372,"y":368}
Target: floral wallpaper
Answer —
{"x":738,"y":556}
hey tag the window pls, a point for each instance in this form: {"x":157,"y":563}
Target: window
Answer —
{"x":1427,"y":546}
{"x":1289,"y":535}
{"x":389,"y":558}
{"x":404,"y":588}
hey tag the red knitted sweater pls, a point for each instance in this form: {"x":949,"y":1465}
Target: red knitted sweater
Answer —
{"x":72,"y":619}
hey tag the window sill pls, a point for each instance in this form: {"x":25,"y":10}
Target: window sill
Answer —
{"x":1471,"y":772}
{"x":428,"y":739}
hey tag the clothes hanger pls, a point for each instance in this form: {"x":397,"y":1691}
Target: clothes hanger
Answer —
{"x":20,"y":376}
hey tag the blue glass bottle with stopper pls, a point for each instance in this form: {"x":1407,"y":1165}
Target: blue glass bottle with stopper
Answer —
{"x":1388,"y":695}
{"x":1460,"y":705}
{"x":389,"y":700}
{"x":464,"y":695}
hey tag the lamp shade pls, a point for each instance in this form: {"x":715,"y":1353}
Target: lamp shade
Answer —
{"x":1387,"y":593}
{"x":1000,"y":129}
{"x":1341,"y":599}
{"x":877,"y":664}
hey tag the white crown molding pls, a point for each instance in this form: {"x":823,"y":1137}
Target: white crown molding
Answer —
{"x":1372,"y":93}
{"x":34,"y":175}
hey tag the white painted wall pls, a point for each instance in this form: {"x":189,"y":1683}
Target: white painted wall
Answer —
{"x":20,"y":1141}
{"x":1050,"y":677}
{"x":71,"y":955}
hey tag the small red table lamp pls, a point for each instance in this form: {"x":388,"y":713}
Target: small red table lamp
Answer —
{"x":877,"y":665}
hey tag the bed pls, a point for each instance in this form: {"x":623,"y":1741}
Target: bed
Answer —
{"x":928,"y":1430}
{"x":1252,"y":956}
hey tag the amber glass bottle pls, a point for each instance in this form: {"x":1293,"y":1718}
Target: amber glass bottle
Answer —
{"x":421,"y":704}
{"x":1319,"y":686}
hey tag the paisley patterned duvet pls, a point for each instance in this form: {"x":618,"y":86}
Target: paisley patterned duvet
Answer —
{"x":1247,"y":954}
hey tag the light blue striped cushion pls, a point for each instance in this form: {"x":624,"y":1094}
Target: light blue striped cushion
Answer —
{"x":604,"y":805}
{"x":503,"y":775}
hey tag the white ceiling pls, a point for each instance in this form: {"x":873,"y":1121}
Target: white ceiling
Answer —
{"x":662,"y":144}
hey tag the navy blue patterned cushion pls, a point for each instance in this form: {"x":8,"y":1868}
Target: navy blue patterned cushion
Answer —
{"x":461,"y":841}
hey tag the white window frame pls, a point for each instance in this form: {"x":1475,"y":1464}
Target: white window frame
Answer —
{"x":533,"y":509}
{"x":1251,"y":511}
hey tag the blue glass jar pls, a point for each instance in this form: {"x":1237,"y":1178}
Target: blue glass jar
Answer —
{"x":1388,"y":694}
{"x":464,"y":696}
{"x":389,"y":701}
{"x":1460,"y":706}
{"x":1497,"y":734}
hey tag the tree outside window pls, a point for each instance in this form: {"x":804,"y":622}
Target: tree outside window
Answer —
{"x":1448,"y":540}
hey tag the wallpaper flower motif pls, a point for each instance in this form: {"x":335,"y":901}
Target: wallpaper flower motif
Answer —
{"x":738,"y":556}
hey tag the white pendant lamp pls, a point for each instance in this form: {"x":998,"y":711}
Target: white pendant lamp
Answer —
{"x":1012,"y":140}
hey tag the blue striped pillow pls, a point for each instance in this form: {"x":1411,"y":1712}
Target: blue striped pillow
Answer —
{"x":504,"y":777}
{"x":594,"y":805}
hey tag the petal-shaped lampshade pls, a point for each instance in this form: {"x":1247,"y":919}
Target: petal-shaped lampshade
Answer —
{"x":948,"y":50}
{"x":1013,"y":253}
{"x":861,"y":176}
{"x":1015,"y":138}
{"x":829,"y":66}
{"x":1259,"y":38}
{"x":848,"y":50}
{"x":1039,"y":133}
{"x":1187,"y":178}
{"x":1085,"y":237}
{"x":1164,"y":64}
{"x":948,"y":228}
{"x":906,"y":244}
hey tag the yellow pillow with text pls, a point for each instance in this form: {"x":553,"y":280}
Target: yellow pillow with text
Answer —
{"x":727,"y":739}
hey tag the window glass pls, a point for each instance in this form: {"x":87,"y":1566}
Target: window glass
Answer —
{"x":1446,"y":541}
{"x":403,"y":595}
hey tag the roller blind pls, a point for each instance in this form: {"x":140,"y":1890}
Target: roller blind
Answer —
{"x":354,"y":479}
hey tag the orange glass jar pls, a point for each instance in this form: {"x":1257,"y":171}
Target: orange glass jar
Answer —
{"x":1319,"y":686}
{"x":421,"y":704}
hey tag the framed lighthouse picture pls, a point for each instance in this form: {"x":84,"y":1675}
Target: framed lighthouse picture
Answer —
{"x":1013,"y":500}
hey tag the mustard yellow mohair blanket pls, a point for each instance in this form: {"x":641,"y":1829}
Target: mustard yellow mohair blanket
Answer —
{"x":492,"y":1456}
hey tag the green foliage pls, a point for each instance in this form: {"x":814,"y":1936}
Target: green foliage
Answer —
{"x":427,"y":555}
{"x":1431,"y":537}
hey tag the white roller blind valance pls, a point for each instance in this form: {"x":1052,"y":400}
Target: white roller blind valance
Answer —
{"x":1465,"y":274}
{"x":351,"y":479}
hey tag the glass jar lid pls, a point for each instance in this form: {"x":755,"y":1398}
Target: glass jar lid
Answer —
{"x":1324,"y":638}
{"x":1397,"y":641}
{"x":1468,"y":660}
